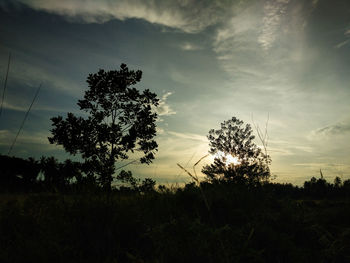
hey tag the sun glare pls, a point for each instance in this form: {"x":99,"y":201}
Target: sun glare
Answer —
{"x":228,"y":158}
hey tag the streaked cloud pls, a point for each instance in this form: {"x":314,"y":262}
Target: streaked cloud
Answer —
{"x":11,"y":106}
{"x":315,"y":2}
{"x":273,"y":13}
{"x":164,"y":108}
{"x":187,"y":15}
{"x":189,"y":46}
{"x":261,"y":36}
{"x":26,"y":137}
{"x":345,"y":42}
{"x":335,"y":129}
{"x":28,"y":143}
{"x":341,"y":44}
{"x":189,"y":136}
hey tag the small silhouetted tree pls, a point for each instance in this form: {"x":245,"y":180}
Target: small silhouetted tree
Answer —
{"x":236,"y":140}
{"x":135,"y":184}
{"x":317,"y":187}
{"x":50,"y":168}
{"x":126,"y":178}
{"x":17,"y":174}
{"x":337,"y":182}
{"x":147,"y":185}
{"x":120,"y":120}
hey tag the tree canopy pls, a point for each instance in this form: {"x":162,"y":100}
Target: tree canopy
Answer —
{"x":236,"y":156}
{"x":120,"y":120}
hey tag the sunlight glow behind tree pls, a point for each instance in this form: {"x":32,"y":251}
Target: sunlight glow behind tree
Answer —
{"x":228,"y":159}
{"x":236,"y":156}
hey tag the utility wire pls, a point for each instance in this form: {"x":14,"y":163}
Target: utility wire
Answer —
{"x":5,"y":83}
{"x":25,"y":117}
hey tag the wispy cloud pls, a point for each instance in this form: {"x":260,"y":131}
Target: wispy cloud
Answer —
{"x":345,"y":42}
{"x":322,"y":164}
{"x":25,"y":137}
{"x":314,"y":3}
{"x":273,"y":12}
{"x":27,"y":144}
{"x":189,"y":46}
{"x":11,"y":106}
{"x":260,"y":35}
{"x":334,"y":129}
{"x":189,"y":16}
{"x":33,"y":75}
{"x":341,"y":44}
{"x":164,"y":108}
{"x":189,"y":136}
{"x":288,"y":148}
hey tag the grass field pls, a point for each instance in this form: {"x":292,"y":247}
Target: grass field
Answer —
{"x":240,"y":224}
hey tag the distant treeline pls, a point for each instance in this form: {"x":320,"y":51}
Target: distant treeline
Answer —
{"x":17,"y":174}
{"x":50,"y":175}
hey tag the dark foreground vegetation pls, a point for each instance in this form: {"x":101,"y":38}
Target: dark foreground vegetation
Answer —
{"x":221,"y":221}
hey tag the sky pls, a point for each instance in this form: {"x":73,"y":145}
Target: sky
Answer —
{"x":281,"y":62}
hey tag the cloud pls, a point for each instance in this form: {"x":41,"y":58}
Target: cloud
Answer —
{"x":314,"y":3}
{"x":27,"y":144}
{"x":335,"y":129}
{"x":343,"y":43}
{"x":189,"y":47}
{"x":189,"y":136}
{"x":273,"y":12}
{"x":11,"y":106}
{"x":160,"y":130}
{"x":251,"y":26}
{"x":26,"y":137}
{"x":32,"y":75}
{"x":263,"y":48}
{"x":288,"y":148}
{"x":164,"y":109}
{"x":322,"y":164}
{"x":187,"y":15}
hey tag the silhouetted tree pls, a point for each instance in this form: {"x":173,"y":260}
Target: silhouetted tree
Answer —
{"x":135,"y":184}
{"x":235,"y":140}
{"x":50,"y":169}
{"x":120,"y":120}
{"x":317,"y":187}
{"x":337,"y":182}
{"x":17,"y":174}
{"x":127,"y":179}
{"x":147,"y":185}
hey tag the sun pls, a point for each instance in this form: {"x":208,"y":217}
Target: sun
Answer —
{"x":227,"y":158}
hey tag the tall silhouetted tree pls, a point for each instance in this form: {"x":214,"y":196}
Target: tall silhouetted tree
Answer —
{"x":120,"y":120}
{"x":237,"y":157}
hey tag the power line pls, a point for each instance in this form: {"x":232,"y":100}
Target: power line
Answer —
{"x":25,"y":117}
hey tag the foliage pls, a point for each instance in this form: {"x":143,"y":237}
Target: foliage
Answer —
{"x":50,"y":175}
{"x":134,"y":184}
{"x":120,"y":120}
{"x":265,"y":223}
{"x":17,"y":174}
{"x":236,"y":139}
